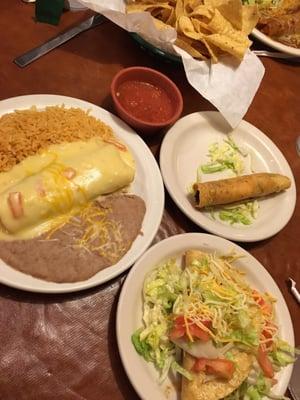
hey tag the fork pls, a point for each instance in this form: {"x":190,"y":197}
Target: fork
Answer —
{"x":276,"y":54}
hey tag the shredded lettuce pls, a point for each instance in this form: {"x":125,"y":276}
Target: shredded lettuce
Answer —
{"x":248,"y":336}
{"x":283,"y":354}
{"x":162,"y":287}
{"x":243,"y":213}
{"x":258,"y":390}
{"x":225,"y":156}
{"x":178,"y":368}
{"x":141,"y":346}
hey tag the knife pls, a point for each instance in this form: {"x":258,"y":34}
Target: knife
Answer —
{"x":39,"y":51}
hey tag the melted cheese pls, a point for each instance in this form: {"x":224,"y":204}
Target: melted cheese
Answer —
{"x":49,"y":196}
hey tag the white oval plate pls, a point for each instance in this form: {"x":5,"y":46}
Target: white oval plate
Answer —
{"x":143,"y":375}
{"x":273,"y":43}
{"x":147,"y":184}
{"x":185,"y":147}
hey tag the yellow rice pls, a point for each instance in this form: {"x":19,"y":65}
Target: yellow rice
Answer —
{"x":25,"y":132}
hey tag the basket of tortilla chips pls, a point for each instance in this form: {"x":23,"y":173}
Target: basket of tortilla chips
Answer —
{"x":206,"y":29}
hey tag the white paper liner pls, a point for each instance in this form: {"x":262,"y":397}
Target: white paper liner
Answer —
{"x":229,"y":85}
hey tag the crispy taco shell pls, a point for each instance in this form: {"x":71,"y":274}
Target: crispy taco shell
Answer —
{"x":201,"y":388}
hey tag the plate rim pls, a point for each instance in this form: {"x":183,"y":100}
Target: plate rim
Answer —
{"x":138,"y":264}
{"x":273,"y":43}
{"x":257,"y":133}
{"x":83,"y":285}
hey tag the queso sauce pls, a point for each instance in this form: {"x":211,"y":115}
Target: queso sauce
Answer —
{"x":145,"y":101}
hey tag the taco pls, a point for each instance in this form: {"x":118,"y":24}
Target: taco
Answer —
{"x":226,"y":330}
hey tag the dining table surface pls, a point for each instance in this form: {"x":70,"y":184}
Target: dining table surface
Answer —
{"x":64,"y":346}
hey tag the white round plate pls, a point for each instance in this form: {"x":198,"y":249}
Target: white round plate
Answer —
{"x":143,"y":375}
{"x":185,"y":147}
{"x":273,"y":43}
{"x":147,"y":184}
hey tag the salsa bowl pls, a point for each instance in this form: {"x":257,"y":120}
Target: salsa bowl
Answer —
{"x":146,"y":99}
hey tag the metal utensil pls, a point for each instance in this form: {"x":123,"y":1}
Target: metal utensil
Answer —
{"x":39,"y":51}
{"x":276,"y":54}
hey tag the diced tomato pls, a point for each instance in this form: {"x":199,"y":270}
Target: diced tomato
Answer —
{"x":69,"y":173}
{"x":15,"y":202}
{"x":177,"y":332}
{"x":264,"y":362}
{"x":179,"y":320}
{"x":199,"y":333}
{"x":179,"y":329}
{"x":219,"y":367}
{"x":267,"y":337}
{"x":200,"y":365}
{"x":267,"y":334}
{"x":265,"y":306}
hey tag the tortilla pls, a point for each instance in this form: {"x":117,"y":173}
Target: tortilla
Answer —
{"x":67,"y":255}
{"x":226,"y":191}
{"x":193,"y":255}
{"x":200,"y":388}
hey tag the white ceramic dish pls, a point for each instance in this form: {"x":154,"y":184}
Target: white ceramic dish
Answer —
{"x":185,"y":147}
{"x":274,"y":44}
{"x":147,"y":184}
{"x":142,"y":375}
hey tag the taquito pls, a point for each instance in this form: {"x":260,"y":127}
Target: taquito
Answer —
{"x":226,"y":191}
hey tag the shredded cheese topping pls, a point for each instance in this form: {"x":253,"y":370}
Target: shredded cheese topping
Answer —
{"x":93,"y":230}
{"x":218,"y":293}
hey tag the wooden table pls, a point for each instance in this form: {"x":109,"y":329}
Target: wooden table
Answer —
{"x":64,"y":346}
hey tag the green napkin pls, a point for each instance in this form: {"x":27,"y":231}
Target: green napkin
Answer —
{"x":49,"y":11}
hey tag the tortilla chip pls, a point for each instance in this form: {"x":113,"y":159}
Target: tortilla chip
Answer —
{"x":202,"y":389}
{"x":202,"y":11}
{"x":186,"y":27}
{"x":209,"y":28}
{"x":231,"y":10}
{"x":250,"y":17}
{"x":236,"y":49}
{"x":162,"y":11}
{"x":186,"y":45}
{"x":179,"y":9}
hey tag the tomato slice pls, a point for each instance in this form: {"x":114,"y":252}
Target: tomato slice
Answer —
{"x":200,"y":365}
{"x":219,"y":367}
{"x":265,"y":306}
{"x":199,"y":333}
{"x":264,"y":362}
{"x":177,"y":332}
{"x":179,"y":329}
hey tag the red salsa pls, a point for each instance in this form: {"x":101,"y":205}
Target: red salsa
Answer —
{"x":145,"y":101}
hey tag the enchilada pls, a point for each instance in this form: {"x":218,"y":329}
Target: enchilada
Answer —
{"x":60,"y":179}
